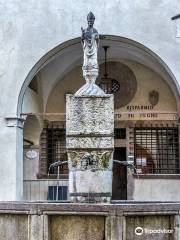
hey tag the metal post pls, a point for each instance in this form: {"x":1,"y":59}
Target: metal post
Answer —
{"x":57,"y":185}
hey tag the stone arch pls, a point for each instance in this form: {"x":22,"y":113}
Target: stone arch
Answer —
{"x":126,"y":48}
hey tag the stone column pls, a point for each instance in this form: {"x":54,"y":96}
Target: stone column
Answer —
{"x":46,"y":228}
{"x":90,"y":144}
{"x":176,"y":227}
{"x":11,"y":158}
{"x":36,"y":227}
{"x":115,"y":227}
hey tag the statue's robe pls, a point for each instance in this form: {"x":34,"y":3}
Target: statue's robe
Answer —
{"x":90,"y":41}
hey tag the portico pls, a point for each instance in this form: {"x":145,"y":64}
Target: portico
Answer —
{"x":139,"y":72}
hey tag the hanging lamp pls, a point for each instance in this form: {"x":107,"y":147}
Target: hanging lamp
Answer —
{"x":109,"y":85}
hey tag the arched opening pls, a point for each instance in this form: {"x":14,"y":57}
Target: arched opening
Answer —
{"x":69,"y":55}
{"x":148,"y":99}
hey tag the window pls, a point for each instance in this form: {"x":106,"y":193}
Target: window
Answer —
{"x":156,"y":150}
{"x":56,"y":148}
{"x":119,"y":133}
{"x":53,"y":148}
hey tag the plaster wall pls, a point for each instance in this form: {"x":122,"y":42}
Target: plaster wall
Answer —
{"x":31,"y":132}
{"x":33,"y":124}
{"x":147,"y":80}
{"x":31,"y":101}
{"x":156,"y":190}
{"x":30,"y":166}
{"x":30,"y":29}
{"x":11,"y":171}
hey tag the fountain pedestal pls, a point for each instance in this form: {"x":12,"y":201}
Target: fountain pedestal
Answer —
{"x":90,"y":145}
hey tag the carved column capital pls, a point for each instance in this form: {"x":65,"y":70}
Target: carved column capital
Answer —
{"x":14,"y":121}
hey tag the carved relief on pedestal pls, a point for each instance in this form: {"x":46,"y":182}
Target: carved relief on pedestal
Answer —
{"x":89,"y":142}
{"x":90,"y":115}
{"x":86,"y":160}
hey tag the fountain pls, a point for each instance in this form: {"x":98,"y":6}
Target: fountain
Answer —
{"x":90,"y":130}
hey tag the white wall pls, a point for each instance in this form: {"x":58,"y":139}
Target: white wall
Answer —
{"x":156,"y":190}
{"x":29,"y":29}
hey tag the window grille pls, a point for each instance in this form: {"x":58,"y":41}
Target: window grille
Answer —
{"x":53,"y":148}
{"x":156,"y":150}
{"x":56,"y":149}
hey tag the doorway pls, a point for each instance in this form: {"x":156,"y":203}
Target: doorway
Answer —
{"x":119,"y":186}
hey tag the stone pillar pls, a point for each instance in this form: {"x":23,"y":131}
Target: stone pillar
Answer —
{"x":36,"y":227}
{"x":115,"y":227}
{"x":46,"y":228}
{"x":90,"y":144}
{"x":11,"y":158}
{"x":176,"y":227}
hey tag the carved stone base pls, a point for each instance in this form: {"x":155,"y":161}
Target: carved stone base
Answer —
{"x":94,"y":160}
{"x":90,"y":144}
{"x":90,"y":197}
{"x":90,"y":185}
{"x":90,"y":89}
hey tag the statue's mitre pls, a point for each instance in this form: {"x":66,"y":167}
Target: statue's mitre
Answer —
{"x":90,"y":16}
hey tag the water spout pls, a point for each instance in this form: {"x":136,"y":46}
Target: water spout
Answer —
{"x":129,"y":164}
{"x":56,"y":164}
{"x":53,"y":165}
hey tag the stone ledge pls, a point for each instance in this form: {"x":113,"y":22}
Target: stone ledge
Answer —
{"x":126,"y":207}
{"x":14,"y":121}
{"x":91,"y":96}
{"x":157,"y":176}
